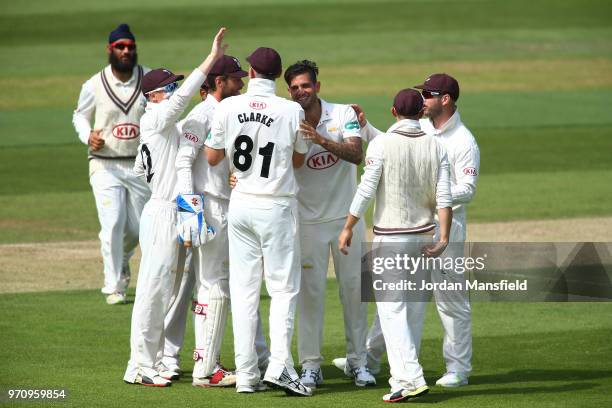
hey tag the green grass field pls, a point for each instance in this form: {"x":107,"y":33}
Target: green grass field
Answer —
{"x":525,"y":355}
{"x":536,"y":91}
{"x":535,"y":79}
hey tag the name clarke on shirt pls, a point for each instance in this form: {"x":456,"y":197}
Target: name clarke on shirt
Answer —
{"x":255,"y":117}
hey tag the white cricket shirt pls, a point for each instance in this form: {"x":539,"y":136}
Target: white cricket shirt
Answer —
{"x":194,"y":173}
{"x":408,"y":172}
{"x":328,"y":183}
{"x":160,"y":136}
{"x":464,"y":157}
{"x":259,"y":132}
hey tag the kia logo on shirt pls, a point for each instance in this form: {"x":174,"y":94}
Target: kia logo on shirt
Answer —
{"x":126,"y":131}
{"x":470,"y":171}
{"x":257,"y":105}
{"x":191,"y":137}
{"x":322,"y":160}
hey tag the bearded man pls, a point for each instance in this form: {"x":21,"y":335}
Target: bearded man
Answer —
{"x":113,"y":100}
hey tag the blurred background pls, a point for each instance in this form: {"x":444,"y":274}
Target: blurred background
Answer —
{"x":535,"y":77}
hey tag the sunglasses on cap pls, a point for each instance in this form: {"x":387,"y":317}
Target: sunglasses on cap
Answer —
{"x":119,"y":45}
{"x":167,"y":89}
{"x":431,"y":94}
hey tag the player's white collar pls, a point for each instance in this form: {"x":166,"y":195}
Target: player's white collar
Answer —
{"x":326,"y":109}
{"x":405,"y":123}
{"x":260,"y":86}
{"x":451,"y":123}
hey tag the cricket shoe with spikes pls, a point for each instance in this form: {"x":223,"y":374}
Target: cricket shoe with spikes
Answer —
{"x":221,"y":377}
{"x":292,"y":385}
{"x":405,"y":394}
{"x":311,"y":377}
{"x":154,"y":381}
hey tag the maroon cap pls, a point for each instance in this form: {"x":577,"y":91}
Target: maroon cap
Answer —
{"x":408,"y":102}
{"x":229,"y":66}
{"x":443,"y":83}
{"x":266,"y":61}
{"x":158,"y":78}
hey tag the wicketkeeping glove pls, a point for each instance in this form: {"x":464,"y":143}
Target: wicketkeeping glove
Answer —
{"x":192,"y":228}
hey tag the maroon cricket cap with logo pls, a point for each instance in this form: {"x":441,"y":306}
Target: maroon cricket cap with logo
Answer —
{"x":225,"y":66}
{"x":408,"y":102}
{"x":443,"y":83}
{"x":266,"y":61}
{"x":158,"y":78}
{"x":228,"y":66}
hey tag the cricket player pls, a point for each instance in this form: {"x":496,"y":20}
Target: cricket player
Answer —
{"x":259,"y":133}
{"x":441,"y":92}
{"x":211,"y":261}
{"x":326,"y":184}
{"x":162,"y":261}
{"x":107,"y":120}
{"x":408,"y":172}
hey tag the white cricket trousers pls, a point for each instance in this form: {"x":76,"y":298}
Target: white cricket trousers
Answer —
{"x":159,"y":278}
{"x":176,"y":319}
{"x":401,"y":322}
{"x":120,"y":197}
{"x":211,"y":264}
{"x":263,"y":241}
{"x":316,"y":241}
{"x":453,"y":308}
{"x":208,"y":265}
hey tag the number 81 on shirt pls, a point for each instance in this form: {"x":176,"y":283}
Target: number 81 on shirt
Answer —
{"x":243,"y":160}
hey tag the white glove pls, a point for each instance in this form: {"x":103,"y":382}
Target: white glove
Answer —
{"x":192,"y":228}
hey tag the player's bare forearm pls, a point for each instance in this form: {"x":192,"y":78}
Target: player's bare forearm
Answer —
{"x":214,"y":156}
{"x":346,"y":236}
{"x":445,"y":217}
{"x":349,"y":150}
{"x":298,"y":159}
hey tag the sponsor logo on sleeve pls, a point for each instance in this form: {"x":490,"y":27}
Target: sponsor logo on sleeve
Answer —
{"x":257,"y":105}
{"x":470,"y":171}
{"x":126,"y":131}
{"x":369,"y":162}
{"x":332,"y":129}
{"x":191,"y":137}
{"x":321,"y":160}
{"x":352,"y":125}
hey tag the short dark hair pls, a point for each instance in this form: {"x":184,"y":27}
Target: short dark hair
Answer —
{"x":210,"y":81}
{"x":302,"y":67}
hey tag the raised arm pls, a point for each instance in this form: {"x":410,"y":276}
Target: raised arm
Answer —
{"x":179,"y":100}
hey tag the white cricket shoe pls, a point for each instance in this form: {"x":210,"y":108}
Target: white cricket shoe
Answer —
{"x":451,"y":380}
{"x":292,"y":386}
{"x":405,"y":394}
{"x":363,"y":377}
{"x":311,"y":377}
{"x":117,"y":298}
{"x":340,"y":363}
{"x":171,"y":374}
{"x":249,"y":389}
{"x":221,"y":377}
{"x":155,"y":381}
